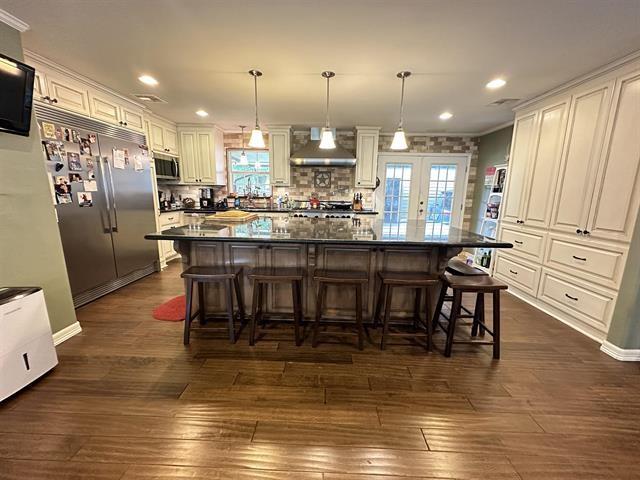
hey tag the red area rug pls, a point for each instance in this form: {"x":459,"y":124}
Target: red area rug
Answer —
{"x":172,"y":310}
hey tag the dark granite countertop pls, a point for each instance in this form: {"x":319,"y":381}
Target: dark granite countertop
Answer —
{"x":368,"y":230}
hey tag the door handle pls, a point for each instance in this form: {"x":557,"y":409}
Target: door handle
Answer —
{"x":106,"y":192}
{"x":114,"y":228}
{"x":518,"y":242}
{"x":582,"y":259}
{"x":572,"y":298}
{"x":514,"y":272}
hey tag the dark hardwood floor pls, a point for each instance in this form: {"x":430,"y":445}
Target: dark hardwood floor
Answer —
{"x":129,"y":401}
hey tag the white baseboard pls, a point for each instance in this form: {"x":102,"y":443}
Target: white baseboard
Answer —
{"x":66,"y":333}
{"x":620,"y":353}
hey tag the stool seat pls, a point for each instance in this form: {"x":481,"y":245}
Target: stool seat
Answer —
{"x":475,"y":283}
{"x":282,"y":274}
{"x":211,"y":273}
{"x":340,"y":276}
{"x":409,"y":278}
{"x":456,"y":266}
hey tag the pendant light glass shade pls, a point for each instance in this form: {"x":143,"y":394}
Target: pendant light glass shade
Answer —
{"x":256,"y":140}
{"x":327,"y":141}
{"x":399,"y":140}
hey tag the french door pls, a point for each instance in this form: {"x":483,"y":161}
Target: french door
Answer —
{"x":425,"y":187}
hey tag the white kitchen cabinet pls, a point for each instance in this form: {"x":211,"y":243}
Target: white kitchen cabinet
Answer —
{"x":169,"y":220}
{"x":132,"y":118}
{"x":67,"y":94}
{"x":617,"y":196}
{"x":576,"y":204}
{"x":279,"y":155}
{"x":164,"y":137}
{"x":40,"y":88}
{"x":104,"y":109}
{"x":585,"y":134}
{"x":519,"y":163}
{"x":199,"y":162}
{"x":539,"y":192}
{"x":366,"y":156}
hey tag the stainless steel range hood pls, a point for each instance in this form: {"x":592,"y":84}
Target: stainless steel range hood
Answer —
{"x":311,"y":155}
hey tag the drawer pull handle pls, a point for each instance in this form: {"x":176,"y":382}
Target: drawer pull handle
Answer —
{"x":518,"y":242}
{"x":515,"y":273}
{"x":569,"y":296}
{"x":583,"y":259}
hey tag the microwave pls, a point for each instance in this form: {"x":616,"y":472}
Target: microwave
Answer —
{"x":167,"y":167}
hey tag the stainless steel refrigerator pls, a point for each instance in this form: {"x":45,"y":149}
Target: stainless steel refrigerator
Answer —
{"x":104,"y":201}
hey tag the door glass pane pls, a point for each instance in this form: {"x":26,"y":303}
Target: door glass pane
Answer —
{"x":396,"y":192}
{"x":442,"y":181}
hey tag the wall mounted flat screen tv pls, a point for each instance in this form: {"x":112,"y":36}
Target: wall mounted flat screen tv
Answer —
{"x":16,"y":96}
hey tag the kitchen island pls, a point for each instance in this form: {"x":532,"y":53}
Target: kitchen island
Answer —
{"x":367,"y":244}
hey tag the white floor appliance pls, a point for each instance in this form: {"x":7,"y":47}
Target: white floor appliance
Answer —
{"x":26,"y":344}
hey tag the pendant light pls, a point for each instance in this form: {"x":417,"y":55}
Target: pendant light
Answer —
{"x":256,"y":140}
{"x":399,"y":139}
{"x":327,"y":142}
{"x":243,"y":155}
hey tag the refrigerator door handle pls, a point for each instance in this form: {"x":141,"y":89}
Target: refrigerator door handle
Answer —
{"x":114,"y":228}
{"x":106,"y":192}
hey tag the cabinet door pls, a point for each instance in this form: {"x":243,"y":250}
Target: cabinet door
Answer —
{"x":522,"y":143}
{"x":206,"y":161}
{"x":132,"y":118}
{"x":279,"y":153}
{"x":104,"y":109}
{"x":583,"y":144}
{"x":40,"y":88}
{"x":157,"y":137}
{"x":367,"y":157}
{"x":546,"y":161}
{"x":247,"y":255}
{"x":279,"y":296}
{"x":617,"y":195}
{"x":69,"y":95}
{"x":189,"y":160}
{"x":171,"y":140}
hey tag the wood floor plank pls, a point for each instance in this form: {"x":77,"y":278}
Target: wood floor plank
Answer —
{"x":295,"y":458}
{"x":252,"y":394}
{"x":126,"y":426}
{"x":140,"y":389}
{"x":404,"y":399}
{"x":482,"y":422}
{"x":531,"y":467}
{"x":39,"y":447}
{"x":339,"y":435}
{"x":58,"y":470}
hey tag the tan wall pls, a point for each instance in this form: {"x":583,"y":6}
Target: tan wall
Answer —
{"x":30,"y":247}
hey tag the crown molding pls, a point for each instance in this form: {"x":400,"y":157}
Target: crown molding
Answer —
{"x":433,"y":134}
{"x":593,"y":74}
{"x":13,"y":22}
{"x":496,"y":128}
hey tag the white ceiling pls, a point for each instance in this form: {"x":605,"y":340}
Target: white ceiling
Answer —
{"x":200,"y":50}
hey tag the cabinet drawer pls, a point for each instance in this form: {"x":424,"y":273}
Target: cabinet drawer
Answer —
{"x":526,"y":243}
{"x":565,"y":293}
{"x":599,"y":262}
{"x":522,"y":275}
{"x":169,"y":220}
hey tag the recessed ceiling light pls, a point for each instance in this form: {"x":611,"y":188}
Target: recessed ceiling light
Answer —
{"x":496,"y":83}
{"x":446,"y":115}
{"x":202,"y":113}
{"x":148,"y":80}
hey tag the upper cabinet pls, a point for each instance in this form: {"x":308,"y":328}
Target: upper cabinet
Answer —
{"x":279,"y":155}
{"x":616,"y":198}
{"x":519,"y":163}
{"x":202,"y":159}
{"x":585,"y":134}
{"x":366,"y":156}
{"x":545,"y":161}
{"x":164,"y":137}
{"x":56,"y":88}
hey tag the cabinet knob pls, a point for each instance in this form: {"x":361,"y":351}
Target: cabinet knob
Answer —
{"x":579,"y":232}
{"x":54,"y":100}
{"x":586,"y":232}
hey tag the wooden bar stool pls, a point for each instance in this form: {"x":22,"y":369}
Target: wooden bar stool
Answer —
{"x":230,"y":278}
{"x":479,"y":284}
{"x":261,"y":278}
{"x":347,"y":278}
{"x":416,"y":280}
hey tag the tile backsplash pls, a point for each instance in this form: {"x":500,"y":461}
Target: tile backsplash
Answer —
{"x":343,"y":178}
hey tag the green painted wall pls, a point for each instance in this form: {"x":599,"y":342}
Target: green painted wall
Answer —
{"x":30,"y":248}
{"x":624,"y":330}
{"x":492,"y":151}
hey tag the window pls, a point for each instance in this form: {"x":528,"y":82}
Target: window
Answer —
{"x":252,"y":176}
{"x":442,"y":182}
